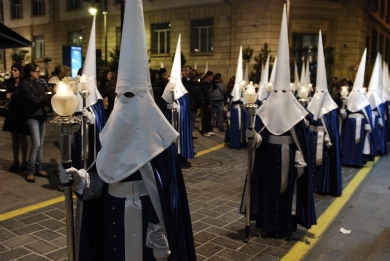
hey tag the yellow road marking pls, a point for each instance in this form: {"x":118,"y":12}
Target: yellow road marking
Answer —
{"x":43,"y":204}
{"x":24,"y":210}
{"x":300,"y":249}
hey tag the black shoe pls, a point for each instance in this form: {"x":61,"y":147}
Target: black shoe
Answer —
{"x":14,"y":166}
{"x":194,"y":138}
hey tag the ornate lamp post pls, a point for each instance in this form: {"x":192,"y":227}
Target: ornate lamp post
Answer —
{"x":344,"y":93}
{"x":65,"y":103}
{"x":250,"y":97}
{"x":83,"y":90}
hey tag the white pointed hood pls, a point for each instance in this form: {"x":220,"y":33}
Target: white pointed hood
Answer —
{"x":322,"y":102}
{"x":356,"y":99}
{"x":307,"y":76}
{"x":195,"y":66}
{"x":296,"y":78}
{"x":385,"y":84}
{"x":207,"y":68}
{"x":161,"y":65}
{"x":272,"y":78}
{"x":237,"y":85}
{"x":281,"y":111}
{"x":136,"y":131}
{"x":373,"y":92}
{"x":262,"y":93}
{"x":303,"y":75}
{"x":89,"y":70}
{"x":246,"y":75}
{"x":175,"y":79}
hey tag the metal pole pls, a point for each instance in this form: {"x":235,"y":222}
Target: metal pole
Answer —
{"x":84,"y":135}
{"x":105,"y":36}
{"x":250,"y":110}
{"x":173,"y":117}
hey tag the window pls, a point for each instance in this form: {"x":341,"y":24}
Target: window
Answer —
{"x":38,"y":7}
{"x":74,"y":4}
{"x":374,"y":44}
{"x":75,"y":38}
{"x":38,"y":51}
{"x":16,"y":9}
{"x":118,"y":36}
{"x":161,"y":36}
{"x":202,"y":36}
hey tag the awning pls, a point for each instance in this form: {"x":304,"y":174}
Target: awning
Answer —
{"x":11,"y":39}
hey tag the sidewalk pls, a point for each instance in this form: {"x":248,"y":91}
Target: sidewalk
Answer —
{"x":214,"y":186}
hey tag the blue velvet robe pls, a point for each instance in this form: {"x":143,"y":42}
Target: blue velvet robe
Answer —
{"x":375,"y":136}
{"x":352,"y":153}
{"x":387,"y":113}
{"x":185,"y":130}
{"x":272,"y":209}
{"x":327,"y":177}
{"x":99,"y":244}
{"x":383,"y":147}
{"x":236,"y":136}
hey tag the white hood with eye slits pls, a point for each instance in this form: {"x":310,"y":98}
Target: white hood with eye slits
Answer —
{"x":136,"y":131}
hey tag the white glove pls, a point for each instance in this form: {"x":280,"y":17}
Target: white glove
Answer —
{"x":228,"y":114}
{"x":380,"y":122}
{"x":78,"y":177}
{"x":327,"y":141}
{"x":367,"y":128}
{"x":89,"y":116}
{"x":343,"y":113}
{"x":256,"y":138}
{"x":300,"y":163}
{"x":307,"y":123}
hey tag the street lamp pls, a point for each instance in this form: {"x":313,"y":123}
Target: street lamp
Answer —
{"x":92,"y":10}
{"x":250,"y":97}
{"x":65,"y":103}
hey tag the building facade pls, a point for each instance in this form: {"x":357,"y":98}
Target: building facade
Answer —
{"x":212,"y":31}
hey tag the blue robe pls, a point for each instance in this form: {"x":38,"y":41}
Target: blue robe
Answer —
{"x":352,"y":152}
{"x":383,"y":147}
{"x":235,"y":135}
{"x":375,"y":136}
{"x":271,"y":208}
{"x":327,"y":177}
{"x":185,"y":129}
{"x":101,"y":243}
{"x":387,"y":113}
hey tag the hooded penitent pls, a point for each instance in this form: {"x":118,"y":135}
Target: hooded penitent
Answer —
{"x":89,"y":71}
{"x":356,"y":99}
{"x":373,"y":92}
{"x":272,"y":77}
{"x":136,"y":131}
{"x":237,"y":84}
{"x":322,"y":102}
{"x":281,"y":111}
{"x":175,"y":79}
{"x":303,"y":75}
{"x":262,"y":93}
{"x":296,"y":78}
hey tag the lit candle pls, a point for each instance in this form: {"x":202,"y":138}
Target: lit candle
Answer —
{"x":304,"y":92}
{"x":172,"y":82}
{"x":270,"y":86}
{"x":250,"y":95}
{"x":83,"y":85}
{"x":344,"y":91}
{"x":64,"y":102}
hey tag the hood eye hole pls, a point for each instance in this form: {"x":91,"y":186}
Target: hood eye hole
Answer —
{"x":322,"y":91}
{"x":129,"y":95}
{"x":275,"y":91}
{"x":284,"y":91}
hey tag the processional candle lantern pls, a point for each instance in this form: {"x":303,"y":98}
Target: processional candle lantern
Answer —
{"x":344,"y":93}
{"x":250,"y":97}
{"x":303,"y":94}
{"x":83,"y":91}
{"x":65,"y":103}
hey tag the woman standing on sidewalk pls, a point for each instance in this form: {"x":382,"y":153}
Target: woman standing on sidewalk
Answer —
{"x":34,"y":99}
{"x":14,"y":122}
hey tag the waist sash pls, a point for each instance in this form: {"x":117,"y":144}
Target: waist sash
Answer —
{"x":285,"y":141}
{"x":359,"y":118}
{"x":320,"y":142}
{"x":132,"y":191}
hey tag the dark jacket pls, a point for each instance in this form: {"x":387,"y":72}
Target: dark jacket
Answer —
{"x":195,"y":96}
{"x":206,"y":89}
{"x":34,"y":99}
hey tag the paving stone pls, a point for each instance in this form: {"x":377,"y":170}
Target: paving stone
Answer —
{"x":3,"y":248}
{"x":13,"y":254}
{"x":203,"y":237}
{"x":196,"y":216}
{"x":199,"y":226}
{"x":11,"y":224}
{"x":270,"y":241}
{"x":32,"y":257}
{"x":42,"y":210}
{"x":214,"y":221}
{"x":224,"y":209}
{"x":62,"y":231}
{"x":208,"y":249}
{"x":33,"y":219}
{"x":252,"y":248}
{"x":5,"y":235}
{"x":41,"y":247}
{"x":56,"y":213}
{"x":217,"y":258}
{"x":47,"y":235}
{"x":27,"y":229}
{"x":234,"y":255}
{"x":230,"y":244}
{"x":264,"y":257}
{"x":230,"y":217}
{"x":58,"y":254}
{"x":51,"y":224}
{"x":19,"y":241}
{"x":61,"y":242}
{"x":200,"y":258}
{"x":274,"y":251}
